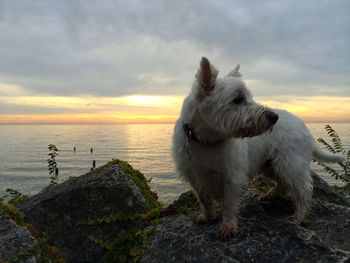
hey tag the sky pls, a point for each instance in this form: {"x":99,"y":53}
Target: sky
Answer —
{"x":134,"y":61}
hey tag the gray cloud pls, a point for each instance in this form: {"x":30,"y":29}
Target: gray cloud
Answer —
{"x":113,"y":48}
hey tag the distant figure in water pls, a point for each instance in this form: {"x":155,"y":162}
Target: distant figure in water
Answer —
{"x":91,"y":150}
{"x":74,"y":149}
{"x":56,"y":171}
{"x":94,"y":164}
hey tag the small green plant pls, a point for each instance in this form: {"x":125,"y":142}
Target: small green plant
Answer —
{"x":186,"y":202}
{"x":112,"y":218}
{"x":337,"y":147}
{"x":15,"y":195}
{"x":9,"y":211}
{"x":128,"y":246}
{"x":42,"y":252}
{"x":52,"y":164}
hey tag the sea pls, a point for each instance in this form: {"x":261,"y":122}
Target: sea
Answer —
{"x":147,"y":147}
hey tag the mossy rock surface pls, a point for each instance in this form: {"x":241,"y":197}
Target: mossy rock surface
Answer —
{"x":84,"y":215}
{"x":19,"y":241}
{"x":14,"y":239}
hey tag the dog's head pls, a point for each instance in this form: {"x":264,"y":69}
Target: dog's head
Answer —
{"x":227,"y":105}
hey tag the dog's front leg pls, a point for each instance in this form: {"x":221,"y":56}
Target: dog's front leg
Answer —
{"x":230,"y":207}
{"x":208,"y":209}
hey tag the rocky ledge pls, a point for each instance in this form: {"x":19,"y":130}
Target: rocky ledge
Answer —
{"x":110,"y":215}
{"x":265,"y":235}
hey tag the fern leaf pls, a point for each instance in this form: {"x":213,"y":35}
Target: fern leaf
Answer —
{"x":328,"y":146}
{"x":335,"y":138}
{"x":330,"y":170}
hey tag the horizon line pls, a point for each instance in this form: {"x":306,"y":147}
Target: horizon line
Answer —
{"x":126,"y":123}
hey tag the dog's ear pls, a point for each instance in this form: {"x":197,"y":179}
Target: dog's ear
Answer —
{"x":235,"y":72}
{"x":206,"y":75}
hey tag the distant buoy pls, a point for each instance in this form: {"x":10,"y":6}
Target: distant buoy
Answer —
{"x":91,"y":150}
{"x":74,"y":149}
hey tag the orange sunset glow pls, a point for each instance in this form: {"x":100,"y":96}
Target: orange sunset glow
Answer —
{"x":160,"y":109}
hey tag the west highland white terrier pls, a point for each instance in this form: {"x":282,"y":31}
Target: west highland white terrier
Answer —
{"x":223,"y":139}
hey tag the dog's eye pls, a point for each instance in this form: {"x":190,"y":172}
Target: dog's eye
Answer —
{"x":238,"y":100}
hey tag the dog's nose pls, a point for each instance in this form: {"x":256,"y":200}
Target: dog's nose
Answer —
{"x":272,"y":117}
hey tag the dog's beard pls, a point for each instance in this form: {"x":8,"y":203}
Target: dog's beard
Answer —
{"x":256,"y":124}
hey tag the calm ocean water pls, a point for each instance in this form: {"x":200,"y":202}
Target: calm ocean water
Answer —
{"x":23,"y":153}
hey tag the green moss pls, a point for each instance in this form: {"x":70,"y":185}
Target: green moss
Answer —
{"x":14,"y":201}
{"x":129,"y":244}
{"x":15,"y":195}
{"x":257,"y":186}
{"x":343,"y":190}
{"x":262,"y":184}
{"x":186,"y":202}
{"x":140,"y":180}
{"x":43,"y":253}
{"x":102,"y":243}
{"x":9,"y":211}
{"x":47,"y":187}
{"x":121,"y":217}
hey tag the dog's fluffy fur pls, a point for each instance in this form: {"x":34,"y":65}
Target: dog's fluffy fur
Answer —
{"x":231,"y":139}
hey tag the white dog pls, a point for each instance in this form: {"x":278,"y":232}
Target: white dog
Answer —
{"x":223,"y":138}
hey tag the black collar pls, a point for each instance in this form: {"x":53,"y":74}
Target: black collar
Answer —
{"x":189,"y":133}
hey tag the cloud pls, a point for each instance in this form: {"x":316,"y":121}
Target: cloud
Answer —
{"x":117,"y":48}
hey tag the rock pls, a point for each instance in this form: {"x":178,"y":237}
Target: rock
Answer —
{"x":69,"y":216}
{"x":321,"y":189}
{"x":331,"y":223}
{"x":62,"y":213}
{"x":14,"y":240}
{"x":265,"y":235}
{"x":325,"y":192}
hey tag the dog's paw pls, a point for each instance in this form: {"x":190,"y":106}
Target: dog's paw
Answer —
{"x":294,"y":219}
{"x":264,"y":197}
{"x":228,"y":230}
{"x":268,"y":197}
{"x":200,"y":219}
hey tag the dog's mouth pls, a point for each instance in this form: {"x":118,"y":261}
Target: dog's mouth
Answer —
{"x":251,"y":131}
{"x":247,"y":132}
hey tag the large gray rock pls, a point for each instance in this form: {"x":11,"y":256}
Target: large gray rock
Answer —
{"x":61,"y":212}
{"x":14,"y":240}
{"x":265,"y":235}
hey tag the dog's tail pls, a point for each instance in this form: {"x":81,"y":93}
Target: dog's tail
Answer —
{"x":324,"y":156}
